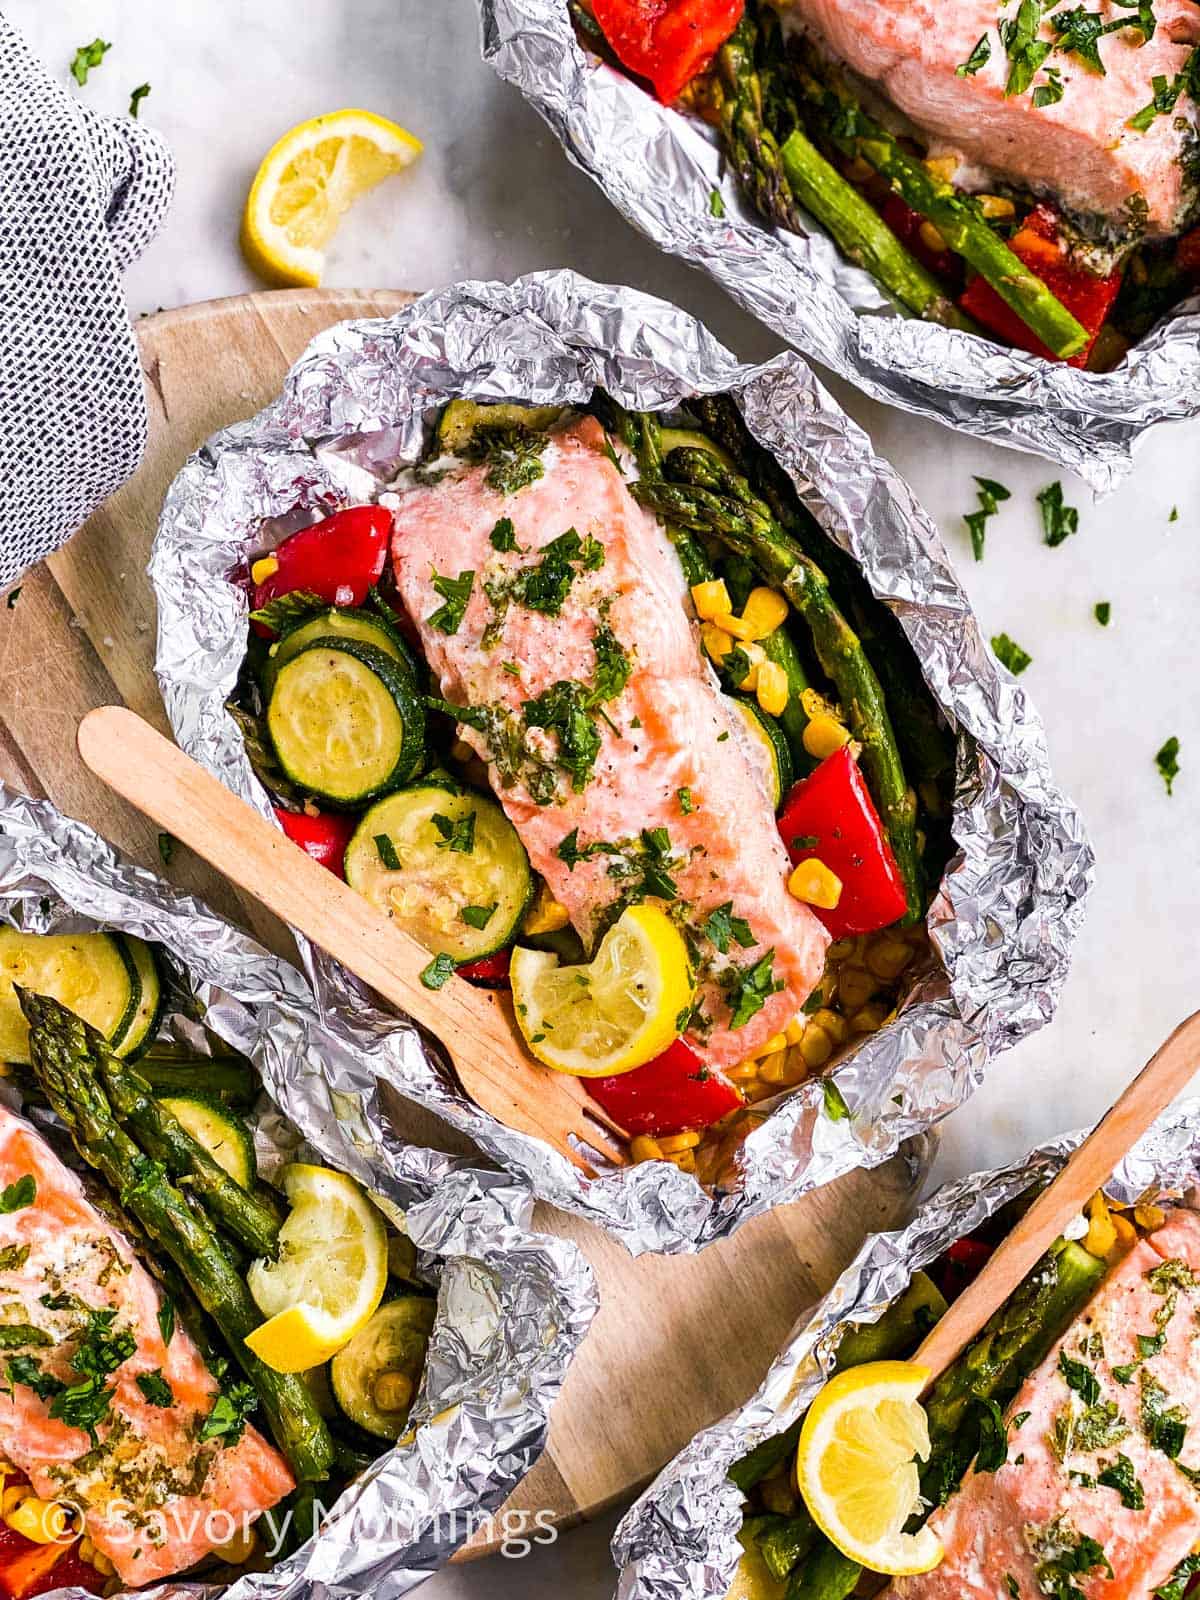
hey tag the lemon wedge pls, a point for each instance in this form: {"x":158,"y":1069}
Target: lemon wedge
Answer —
{"x":611,"y":1014}
{"x":330,"y":1275}
{"x":856,"y":1467}
{"x":307,"y":180}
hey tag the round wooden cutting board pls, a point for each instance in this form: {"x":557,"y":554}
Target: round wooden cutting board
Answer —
{"x":678,"y":1341}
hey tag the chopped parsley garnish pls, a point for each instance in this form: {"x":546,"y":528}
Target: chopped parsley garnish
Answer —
{"x":86,"y":57}
{"x":1174,"y":516}
{"x":1102,"y":611}
{"x":456,"y":592}
{"x":458,"y":836}
{"x":1066,"y":1554}
{"x":990,"y":495}
{"x":478,"y":916}
{"x":24,"y":1369}
{"x":136,"y":98}
{"x":387,"y":852}
{"x":1013,"y":1587}
{"x":836,"y":1108}
{"x":1059,"y":520}
{"x":1050,"y":92}
{"x":1080,"y":1378}
{"x":1010,"y":655}
{"x":749,"y":988}
{"x":439,"y":971}
{"x":978,"y":59}
{"x":716,"y":206}
{"x":686,"y":804}
{"x":736,"y":665}
{"x":1167,"y":762}
{"x":16,"y":1196}
{"x":613,"y":666}
{"x":166,"y":1319}
{"x":100,"y":1352}
{"x":1119,"y":1475}
{"x":503,"y":535}
{"x":23,"y":1336}
{"x":511,"y":668}
{"x":157,"y":1390}
{"x":13,"y":1257}
{"x":1025,"y":51}
{"x":1177,"y":1584}
{"x":227,"y":1419}
{"x":1166,"y":92}
{"x":565,"y":709}
{"x":721,"y":925}
{"x":1164,"y":1424}
{"x":992,"y":1452}
{"x":543,"y":587}
{"x":514,"y":457}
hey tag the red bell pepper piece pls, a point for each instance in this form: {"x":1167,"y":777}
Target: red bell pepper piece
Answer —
{"x":830,"y":815}
{"x":338,"y":559}
{"x":906,"y":224}
{"x":489,"y":972}
{"x":42,"y":1567}
{"x":1187,"y":253}
{"x":674,"y":1092}
{"x":962,"y":1264}
{"x":323,"y":837}
{"x":1038,"y":243}
{"x":668,"y":41}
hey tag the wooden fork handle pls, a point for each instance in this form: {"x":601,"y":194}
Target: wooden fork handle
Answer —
{"x":1169,"y":1071}
{"x":180,"y":796}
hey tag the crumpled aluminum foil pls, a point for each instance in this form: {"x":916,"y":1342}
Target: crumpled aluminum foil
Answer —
{"x":660,"y":169}
{"x":357,"y":404}
{"x":513,"y":1305}
{"x":679,"y":1540}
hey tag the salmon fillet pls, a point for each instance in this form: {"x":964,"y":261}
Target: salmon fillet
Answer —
{"x":146,"y":1487}
{"x":666,"y":728}
{"x":1080,"y":148}
{"x":1047,"y":1497}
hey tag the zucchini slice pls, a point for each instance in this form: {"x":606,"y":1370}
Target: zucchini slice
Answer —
{"x":463,"y":425}
{"x":143,"y":1024}
{"x":212,"y":1125}
{"x":451,"y":869}
{"x":766,"y":732}
{"x":90,"y":973}
{"x":347,"y":721}
{"x":339,"y":622}
{"x":375,"y":1377}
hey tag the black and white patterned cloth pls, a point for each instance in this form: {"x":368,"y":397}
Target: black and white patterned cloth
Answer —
{"x":80,"y":197}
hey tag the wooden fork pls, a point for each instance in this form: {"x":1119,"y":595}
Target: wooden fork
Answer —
{"x":473,"y":1026}
{"x":1167,"y":1072}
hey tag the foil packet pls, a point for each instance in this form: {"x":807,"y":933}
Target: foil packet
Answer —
{"x":661,"y":169}
{"x":513,"y":1305}
{"x":679,"y":1540}
{"x":357,"y":407}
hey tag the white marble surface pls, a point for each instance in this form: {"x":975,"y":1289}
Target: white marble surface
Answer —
{"x":494,"y":197}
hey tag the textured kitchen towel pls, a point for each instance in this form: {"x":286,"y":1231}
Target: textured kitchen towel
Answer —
{"x":80,"y":197}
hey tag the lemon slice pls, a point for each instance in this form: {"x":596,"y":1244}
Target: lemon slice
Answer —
{"x":855,"y":1466}
{"x":330,"y":1275}
{"x":613,"y":1013}
{"x":307,"y":180}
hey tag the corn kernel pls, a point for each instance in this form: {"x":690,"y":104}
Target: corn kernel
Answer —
{"x":887,"y":958}
{"x":685,"y":1160}
{"x":777,"y":1041}
{"x":942,"y":168}
{"x":40,"y":1521}
{"x":1101,"y":1238}
{"x":996,"y":207}
{"x":13,"y":1497}
{"x":545,"y":915}
{"x":758,"y":1090}
{"x":773,"y":1068}
{"x":1149,"y":1217}
{"x":673,"y":1143}
{"x":794,"y":1031}
{"x":644,"y":1148}
{"x":824,"y":735}
{"x":710,"y":598}
{"x":839,"y":950}
{"x":392,"y":1391}
{"x":816,"y":1047}
{"x":815,"y":884}
{"x":106,"y":1569}
{"x":1125,"y":1231}
{"x":764,"y":611}
{"x":238,"y":1550}
{"x":264,"y":568}
{"x":87,"y":1550}
{"x":735,"y":625}
{"x":743,"y":1072}
{"x":772,"y":688}
{"x":868,"y":1019}
{"x":797,"y":1067}
{"x":834,"y":1025}
{"x":931,"y":237}
{"x":717,"y":643}
{"x":855,"y":987}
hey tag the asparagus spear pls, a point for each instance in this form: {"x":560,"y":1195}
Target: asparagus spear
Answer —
{"x":956,"y":216}
{"x":732,"y":514}
{"x":163,"y":1137}
{"x":779,"y":647}
{"x":775,"y":179}
{"x":826,"y":1575}
{"x":61,"y":1046}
